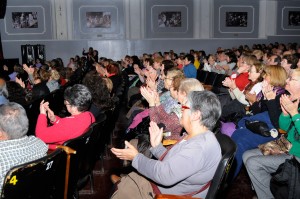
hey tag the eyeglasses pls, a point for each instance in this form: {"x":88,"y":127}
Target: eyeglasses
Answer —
{"x":292,"y":79}
{"x":183,"y":107}
{"x":169,"y":78}
{"x":66,"y":103}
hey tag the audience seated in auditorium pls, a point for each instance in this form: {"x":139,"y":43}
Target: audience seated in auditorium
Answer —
{"x":77,"y":100}
{"x":198,"y":153}
{"x":236,"y":109}
{"x":261,"y":166}
{"x":169,"y":112}
{"x":16,"y":147}
{"x":38,"y":79}
{"x":266,"y":108}
{"x":238,"y":85}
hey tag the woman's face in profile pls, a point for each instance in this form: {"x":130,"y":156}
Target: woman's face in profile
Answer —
{"x":174,"y":93}
{"x":181,"y":97}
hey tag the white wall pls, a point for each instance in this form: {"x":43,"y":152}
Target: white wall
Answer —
{"x":61,"y":44}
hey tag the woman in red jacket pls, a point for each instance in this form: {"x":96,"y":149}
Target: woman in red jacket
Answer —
{"x":77,"y":100}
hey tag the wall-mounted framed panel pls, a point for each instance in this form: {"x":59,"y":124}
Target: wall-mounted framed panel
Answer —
{"x":25,"y":20}
{"x":288,"y":21}
{"x":236,"y":19}
{"x":98,"y":19}
{"x":165,"y":19}
{"x":30,"y":21}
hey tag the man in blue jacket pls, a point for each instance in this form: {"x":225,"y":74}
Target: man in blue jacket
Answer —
{"x":189,"y":69}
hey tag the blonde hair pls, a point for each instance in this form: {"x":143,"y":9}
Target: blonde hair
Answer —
{"x":190,"y":84}
{"x":174,"y":72}
{"x":250,"y":60}
{"x":258,"y":54}
{"x":158,"y":59}
{"x":54,"y":75}
{"x":297,"y":71}
{"x":108,"y":83}
{"x":278,"y":75}
{"x":177,"y":81}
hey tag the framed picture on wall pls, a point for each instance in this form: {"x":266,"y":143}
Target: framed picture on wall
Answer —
{"x":25,"y":20}
{"x":235,"y":19}
{"x":171,"y":21}
{"x":98,"y":20}
{"x":288,"y":22}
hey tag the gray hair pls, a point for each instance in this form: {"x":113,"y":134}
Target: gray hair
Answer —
{"x":209,"y":106}
{"x":14,"y":121}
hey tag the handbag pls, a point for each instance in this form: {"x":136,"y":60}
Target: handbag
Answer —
{"x":285,"y":182}
{"x":276,"y":147}
{"x":258,"y":127}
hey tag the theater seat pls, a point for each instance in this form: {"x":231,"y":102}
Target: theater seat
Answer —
{"x":202,"y":75}
{"x":43,"y":178}
{"x":222,"y":177}
{"x":83,"y":162}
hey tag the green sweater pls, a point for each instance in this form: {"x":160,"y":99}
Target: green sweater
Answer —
{"x":284,"y":123}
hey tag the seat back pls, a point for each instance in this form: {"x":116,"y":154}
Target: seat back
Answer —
{"x":33,"y":111}
{"x":222,"y":176}
{"x":84,"y":160}
{"x":202,"y":75}
{"x":211,"y":78}
{"x":42,"y":178}
{"x":219,"y":79}
{"x":93,"y":150}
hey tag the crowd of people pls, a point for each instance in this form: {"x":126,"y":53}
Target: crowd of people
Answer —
{"x":166,"y":103}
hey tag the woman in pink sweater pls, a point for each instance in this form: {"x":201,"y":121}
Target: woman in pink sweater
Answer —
{"x":77,"y":100}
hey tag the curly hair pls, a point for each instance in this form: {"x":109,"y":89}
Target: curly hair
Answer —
{"x":78,"y":96}
{"x":100,"y":93}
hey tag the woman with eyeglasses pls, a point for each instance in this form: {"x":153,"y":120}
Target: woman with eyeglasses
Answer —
{"x":77,"y":100}
{"x":253,"y":68}
{"x":266,"y":109}
{"x":260,"y":167}
{"x":187,"y":167}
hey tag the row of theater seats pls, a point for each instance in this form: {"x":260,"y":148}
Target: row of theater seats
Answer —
{"x":211,"y":79}
{"x":62,"y":173}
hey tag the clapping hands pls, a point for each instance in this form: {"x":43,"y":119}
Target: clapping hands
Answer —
{"x":230,"y":83}
{"x":151,"y":96}
{"x":44,"y":109}
{"x":289,"y":106}
{"x":268,"y":91}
